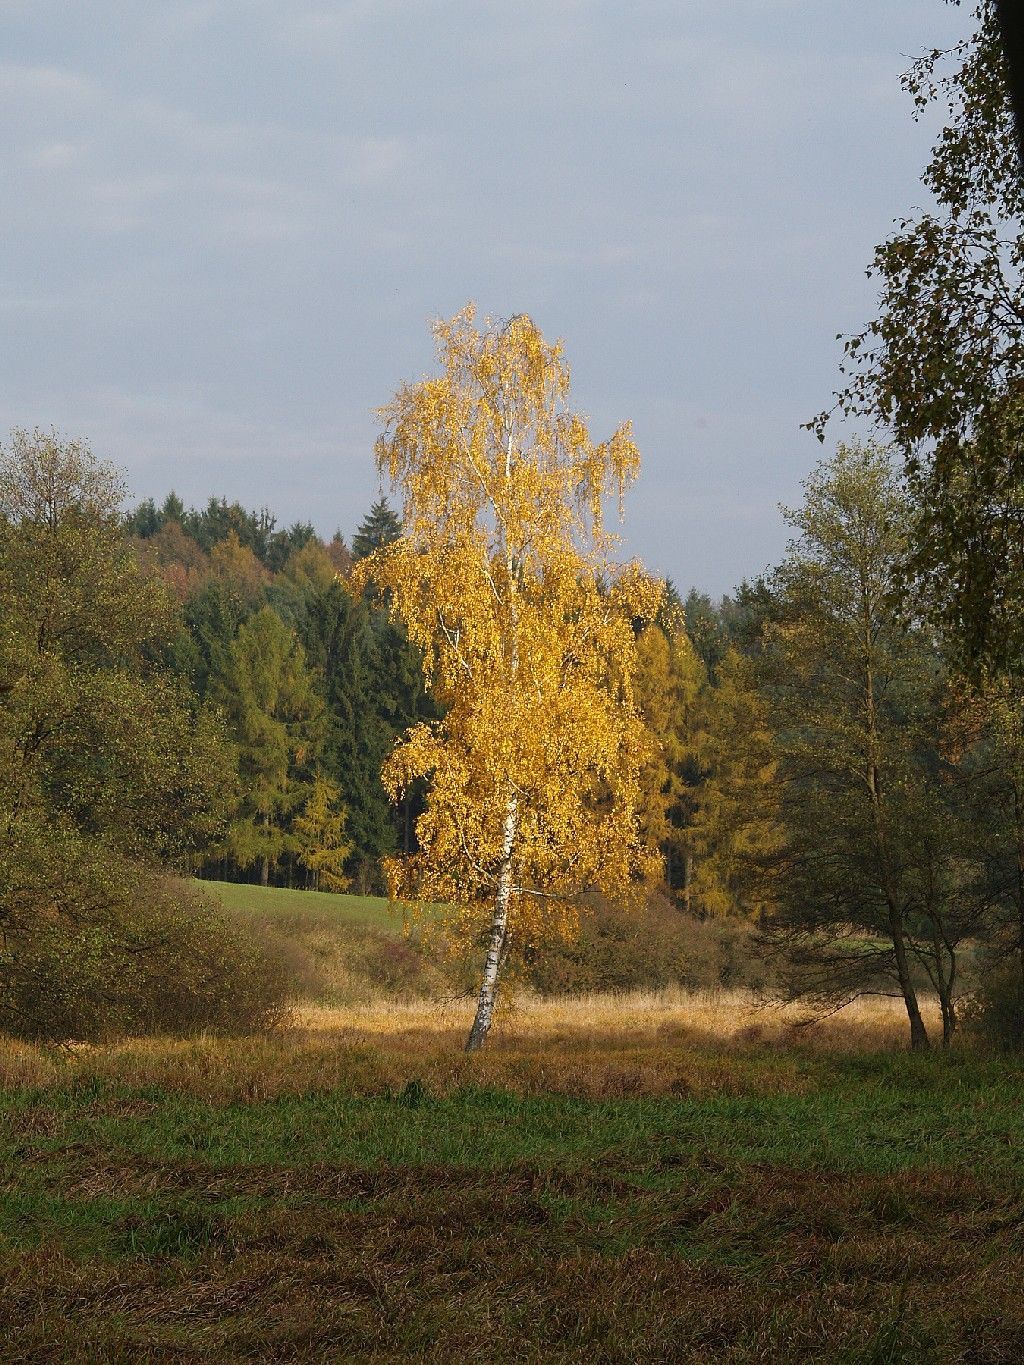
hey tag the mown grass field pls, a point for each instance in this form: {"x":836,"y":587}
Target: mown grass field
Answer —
{"x":653,"y":1178}
{"x":241,"y":898}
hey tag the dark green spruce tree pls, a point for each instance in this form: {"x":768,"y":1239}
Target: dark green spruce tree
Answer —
{"x":380,"y":526}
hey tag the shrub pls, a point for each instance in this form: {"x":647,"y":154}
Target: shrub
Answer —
{"x":994,"y":1014}
{"x":207,"y":974}
{"x":340,"y":963}
{"x":95,"y":948}
{"x":658,"y":946}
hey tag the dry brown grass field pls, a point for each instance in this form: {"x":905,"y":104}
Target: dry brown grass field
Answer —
{"x":724,"y":1016}
{"x":664,"y":1042}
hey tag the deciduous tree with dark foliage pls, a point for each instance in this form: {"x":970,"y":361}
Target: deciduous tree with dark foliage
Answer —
{"x":941,"y":367}
{"x":109,"y":768}
{"x":873,"y":880}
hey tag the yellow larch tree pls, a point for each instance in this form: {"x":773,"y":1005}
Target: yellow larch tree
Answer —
{"x":655,"y":697}
{"x":319,"y":832}
{"x":505,"y":580}
{"x":736,"y":831}
{"x":670,"y":684}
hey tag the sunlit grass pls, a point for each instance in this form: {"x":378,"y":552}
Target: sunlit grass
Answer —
{"x":376,"y":911}
{"x":649,"y":1043}
{"x":637,"y":1017}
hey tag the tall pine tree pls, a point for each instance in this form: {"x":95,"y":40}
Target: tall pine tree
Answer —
{"x":338,"y":634}
{"x":276,"y":720}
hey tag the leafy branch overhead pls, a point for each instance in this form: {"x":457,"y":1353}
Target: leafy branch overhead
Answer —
{"x":940,"y":367}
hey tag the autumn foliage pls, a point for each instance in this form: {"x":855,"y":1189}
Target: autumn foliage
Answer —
{"x":504,"y":579}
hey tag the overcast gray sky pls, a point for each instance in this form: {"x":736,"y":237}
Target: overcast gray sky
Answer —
{"x":227,"y":224}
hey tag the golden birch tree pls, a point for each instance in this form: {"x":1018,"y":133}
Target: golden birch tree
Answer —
{"x":504,"y":578}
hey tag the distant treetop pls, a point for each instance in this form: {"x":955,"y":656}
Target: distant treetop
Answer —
{"x":379,"y":527}
{"x":218,"y":520}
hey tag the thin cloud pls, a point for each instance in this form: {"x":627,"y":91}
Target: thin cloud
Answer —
{"x":227,"y":225}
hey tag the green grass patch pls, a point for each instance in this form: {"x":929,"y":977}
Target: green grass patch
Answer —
{"x":904,"y":1115}
{"x":239,"y":897}
{"x":334,"y":949}
{"x":875,"y":1214}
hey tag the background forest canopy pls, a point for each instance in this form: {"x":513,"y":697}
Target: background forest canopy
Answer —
{"x":837,"y":749}
{"x":315,"y":682}
{"x":256,"y":601}
{"x":198,"y":690}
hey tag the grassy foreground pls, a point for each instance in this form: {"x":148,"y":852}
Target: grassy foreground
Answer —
{"x":657,"y":1178}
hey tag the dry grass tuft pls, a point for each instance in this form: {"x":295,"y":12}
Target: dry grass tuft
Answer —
{"x":718,"y":1017}
{"x":669,"y":1042}
{"x":26,"y":1065}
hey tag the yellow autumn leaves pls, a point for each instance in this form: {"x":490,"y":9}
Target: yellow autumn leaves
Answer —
{"x":505,"y":580}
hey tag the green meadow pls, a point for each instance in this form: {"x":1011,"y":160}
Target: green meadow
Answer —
{"x":281,"y":902}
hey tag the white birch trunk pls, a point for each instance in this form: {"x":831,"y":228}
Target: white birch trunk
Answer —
{"x":499,"y":922}
{"x":499,"y":932}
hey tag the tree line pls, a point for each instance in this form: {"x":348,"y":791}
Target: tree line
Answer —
{"x":313,"y":681}
{"x":819,"y":762}
{"x":822,"y":766}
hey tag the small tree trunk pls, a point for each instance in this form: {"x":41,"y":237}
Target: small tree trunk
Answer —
{"x":947,"y":1005}
{"x":944,"y":981}
{"x":919,"y":1041}
{"x":688,"y":882}
{"x":499,"y":932}
{"x":873,"y":776}
{"x":265,"y":864}
{"x":918,"y":1033}
{"x":1018,"y":825}
{"x":948,"y":1019}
